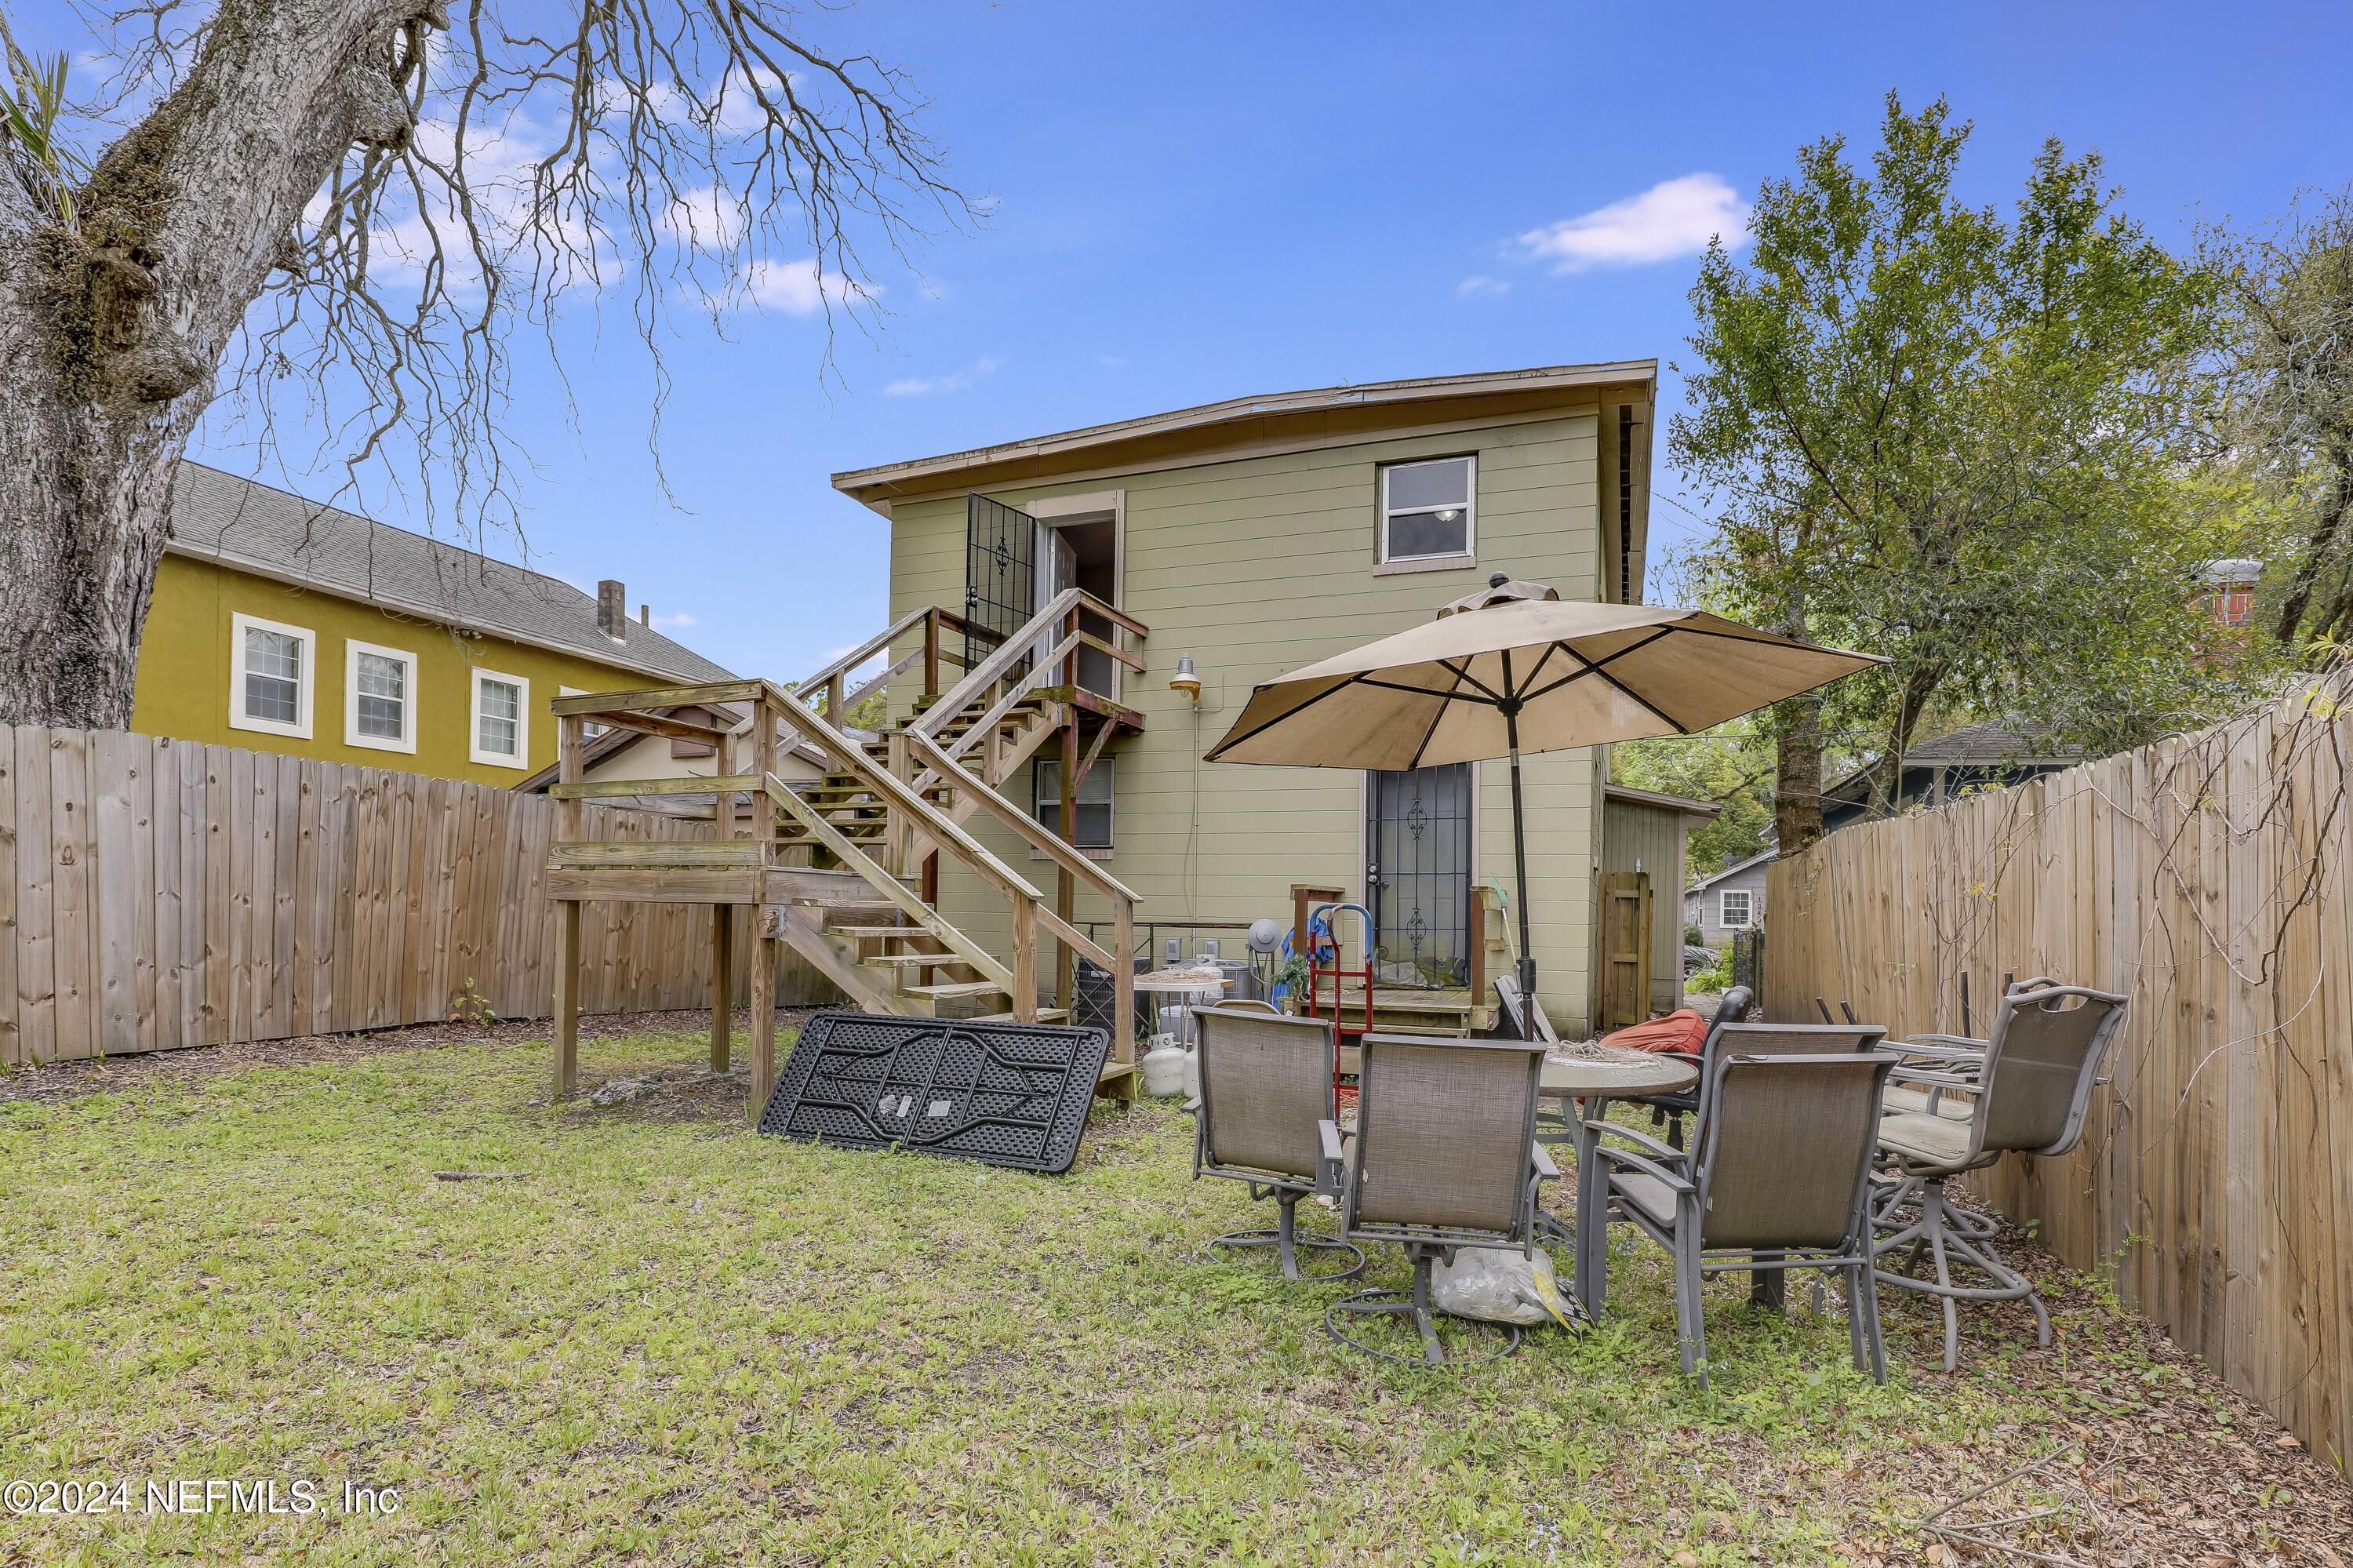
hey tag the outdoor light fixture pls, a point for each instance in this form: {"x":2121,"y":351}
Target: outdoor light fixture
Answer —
{"x":1185,"y":681}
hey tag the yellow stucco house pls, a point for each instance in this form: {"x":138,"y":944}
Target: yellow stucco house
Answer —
{"x":280,"y":625}
{"x":1257,"y":536}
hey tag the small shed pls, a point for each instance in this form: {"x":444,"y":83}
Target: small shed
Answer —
{"x":1731,"y":900}
{"x":1643,"y":830}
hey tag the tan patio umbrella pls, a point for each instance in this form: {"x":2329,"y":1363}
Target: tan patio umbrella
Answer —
{"x":1513,"y":669}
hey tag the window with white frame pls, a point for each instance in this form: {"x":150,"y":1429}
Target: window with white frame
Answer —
{"x":1732,"y":909}
{"x":270,"y":676}
{"x":1094,"y":825}
{"x":1426,"y":509}
{"x":501,"y":719}
{"x":379,"y":697}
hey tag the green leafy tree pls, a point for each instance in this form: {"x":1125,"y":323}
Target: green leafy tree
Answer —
{"x":1732,"y":767}
{"x":2284,"y":412}
{"x":1954,"y":439}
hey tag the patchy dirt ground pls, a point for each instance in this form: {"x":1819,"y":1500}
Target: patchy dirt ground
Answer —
{"x":2112,"y":1447}
{"x":61,"y":1080}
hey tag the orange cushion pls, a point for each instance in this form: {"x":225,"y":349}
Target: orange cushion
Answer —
{"x":1682,"y":1030}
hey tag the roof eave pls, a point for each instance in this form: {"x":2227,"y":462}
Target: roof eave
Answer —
{"x":877,"y":486}
{"x":439,"y":615}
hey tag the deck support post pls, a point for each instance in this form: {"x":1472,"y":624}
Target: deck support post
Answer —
{"x":723,"y":983}
{"x":1024,"y":959}
{"x":567,"y":998}
{"x":1066,"y":887}
{"x":570,"y":768}
{"x":767,"y":919}
{"x":1123,"y":980}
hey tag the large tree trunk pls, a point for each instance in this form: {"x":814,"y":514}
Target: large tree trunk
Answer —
{"x":1797,"y":773}
{"x":110,"y":336}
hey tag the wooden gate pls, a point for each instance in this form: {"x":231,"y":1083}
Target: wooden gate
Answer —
{"x":1625,"y":926}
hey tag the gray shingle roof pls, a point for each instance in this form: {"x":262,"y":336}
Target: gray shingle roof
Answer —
{"x":1991,"y":743}
{"x":253,"y":528}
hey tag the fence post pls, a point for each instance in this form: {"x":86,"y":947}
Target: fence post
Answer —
{"x":571,"y":736}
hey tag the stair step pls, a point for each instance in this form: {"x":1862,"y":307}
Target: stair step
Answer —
{"x":867,"y":924}
{"x":952,"y":989}
{"x":915,"y":960}
{"x":1045,"y":1016}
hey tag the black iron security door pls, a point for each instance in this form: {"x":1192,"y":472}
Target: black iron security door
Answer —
{"x":1418,"y":874}
{"x":1000,"y":574}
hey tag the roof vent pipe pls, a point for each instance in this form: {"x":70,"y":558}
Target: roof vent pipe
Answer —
{"x":613,"y":609}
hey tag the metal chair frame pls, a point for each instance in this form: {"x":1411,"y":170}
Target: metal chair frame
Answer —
{"x":1687,"y":1174}
{"x":1286,"y":1188}
{"x":1428,"y":1245}
{"x":1911,"y":1205}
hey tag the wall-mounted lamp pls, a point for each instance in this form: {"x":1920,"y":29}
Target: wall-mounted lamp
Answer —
{"x":1185,"y":680}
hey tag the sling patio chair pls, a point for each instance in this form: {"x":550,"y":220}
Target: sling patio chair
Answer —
{"x":2031,"y":1084}
{"x":1445,"y":1157}
{"x":1268,"y":1117}
{"x":1729,"y":1037}
{"x":1779,"y":1178}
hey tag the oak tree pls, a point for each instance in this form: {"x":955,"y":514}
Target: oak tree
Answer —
{"x":364,"y":205}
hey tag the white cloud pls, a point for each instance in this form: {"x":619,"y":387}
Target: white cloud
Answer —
{"x":798,"y":288}
{"x":703,"y":217}
{"x":1480,"y":285}
{"x":672,"y":622}
{"x":1675,"y":218}
{"x":957,"y":381}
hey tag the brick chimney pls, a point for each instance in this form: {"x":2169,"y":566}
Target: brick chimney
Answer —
{"x":613,"y":609}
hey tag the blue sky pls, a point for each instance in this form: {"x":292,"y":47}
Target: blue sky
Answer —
{"x":1211,"y":200}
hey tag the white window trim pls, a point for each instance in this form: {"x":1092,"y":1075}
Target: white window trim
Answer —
{"x":1748,"y":908}
{"x":300,"y":729}
{"x":352,"y":736}
{"x":1469,"y":553}
{"x":521,"y":760}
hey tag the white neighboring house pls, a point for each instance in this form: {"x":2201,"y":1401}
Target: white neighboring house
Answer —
{"x":1731,"y":900}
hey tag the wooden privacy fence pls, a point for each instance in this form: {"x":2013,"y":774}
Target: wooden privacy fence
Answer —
{"x":157,"y":893}
{"x":2205,"y":878}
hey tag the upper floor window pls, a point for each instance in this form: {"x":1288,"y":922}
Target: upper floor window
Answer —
{"x":1733,"y":909}
{"x":501,"y":719}
{"x":1426,"y":509}
{"x":269,"y":677}
{"x":379,"y":697}
{"x":1094,"y":825}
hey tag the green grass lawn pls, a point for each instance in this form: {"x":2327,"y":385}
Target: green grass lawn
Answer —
{"x":678,"y":1342}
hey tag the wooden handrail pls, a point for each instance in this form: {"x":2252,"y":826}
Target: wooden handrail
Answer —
{"x":858,"y":656}
{"x":1025,"y":826}
{"x":1045,"y":624}
{"x":1041,"y":676}
{"x":991,"y":670}
{"x":962,"y":949}
{"x":934,"y":824}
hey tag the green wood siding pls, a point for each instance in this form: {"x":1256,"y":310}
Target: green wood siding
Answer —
{"x":1636,"y":836}
{"x":1260,"y":566}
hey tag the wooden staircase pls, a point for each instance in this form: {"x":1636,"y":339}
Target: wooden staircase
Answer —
{"x":845,"y":869}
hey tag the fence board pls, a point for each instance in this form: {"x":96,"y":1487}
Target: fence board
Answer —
{"x":2205,"y":878}
{"x":12,"y":1037}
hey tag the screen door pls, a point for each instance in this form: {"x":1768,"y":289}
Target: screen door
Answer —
{"x":1418,"y":874}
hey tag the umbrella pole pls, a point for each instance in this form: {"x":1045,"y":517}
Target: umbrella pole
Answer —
{"x":1519,"y":857}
